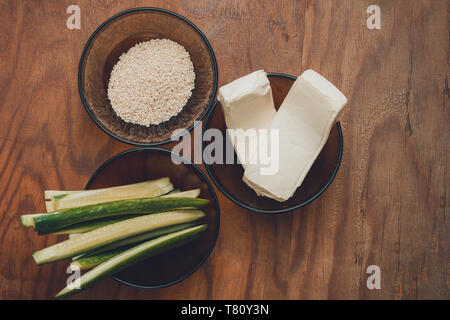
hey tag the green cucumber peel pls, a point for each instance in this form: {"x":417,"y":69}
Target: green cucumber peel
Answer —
{"x":60,"y":219}
{"x":114,"y":232}
{"x":139,"y":238}
{"x":132,"y":256}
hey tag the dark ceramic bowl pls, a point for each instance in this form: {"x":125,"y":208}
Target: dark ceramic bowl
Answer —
{"x":228,"y":177}
{"x":116,"y":36}
{"x":138,"y":165}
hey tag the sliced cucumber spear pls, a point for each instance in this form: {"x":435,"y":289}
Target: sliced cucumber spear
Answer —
{"x":92,"y":261}
{"x":27,"y":220}
{"x":146,"y":189}
{"x":56,"y":195}
{"x":54,"y":221}
{"x":87,"y":226}
{"x":132,"y":256}
{"x":136,"y":239}
{"x":173,"y":191}
{"x":114,"y":232}
{"x":194,"y":193}
{"x":49,"y":206}
{"x":49,"y":194}
{"x":93,"y":258}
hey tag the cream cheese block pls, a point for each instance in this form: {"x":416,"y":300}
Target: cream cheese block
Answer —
{"x":304,"y":121}
{"x":247,"y":104}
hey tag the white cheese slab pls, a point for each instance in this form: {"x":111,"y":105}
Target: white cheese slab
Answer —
{"x":247,"y":103}
{"x":304,"y":121}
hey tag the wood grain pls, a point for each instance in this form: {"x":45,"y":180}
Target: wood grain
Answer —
{"x":387,"y":205}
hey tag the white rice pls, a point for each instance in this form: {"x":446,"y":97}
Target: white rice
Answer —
{"x":151,"y":82}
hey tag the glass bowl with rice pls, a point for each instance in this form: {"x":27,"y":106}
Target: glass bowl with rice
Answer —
{"x":146,"y":73}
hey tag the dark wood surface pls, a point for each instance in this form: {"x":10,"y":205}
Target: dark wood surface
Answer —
{"x":387,"y":205}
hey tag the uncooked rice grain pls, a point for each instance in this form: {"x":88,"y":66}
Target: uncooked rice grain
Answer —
{"x":151,"y":82}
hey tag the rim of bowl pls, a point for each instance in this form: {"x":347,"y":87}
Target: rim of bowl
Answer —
{"x":192,"y":25}
{"x":211,"y":189}
{"x":294,"y":207}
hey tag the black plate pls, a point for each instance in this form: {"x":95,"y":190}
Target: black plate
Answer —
{"x":228,"y":177}
{"x":142,"y":164}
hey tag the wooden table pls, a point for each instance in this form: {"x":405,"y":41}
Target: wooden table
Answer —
{"x":386,"y":207}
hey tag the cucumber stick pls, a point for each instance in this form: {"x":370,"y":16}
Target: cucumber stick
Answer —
{"x":87,"y":226}
{"x":55,"y":195}
{"x":49,"y":206}
{"x":147,"y":189}
{"x":59,"y":219}
{"x":27,"y":220}
{"x":92,"y":258}
{"x":184,"y":194}
{"x":114,"y":232}
{"x":49,"y":194}
{"x":173,"y":191}
{"x":132,"y":256}
{"x":92,"y":261}
{"x":138,"y":238}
